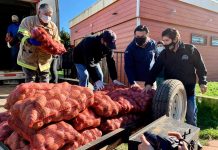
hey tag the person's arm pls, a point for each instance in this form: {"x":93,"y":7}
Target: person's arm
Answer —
{"x":111,"y":66}
{"x":9,"y":38}
{"x":24,"y":32}
{"x":129,"y":66}
{"x":200,"y":70}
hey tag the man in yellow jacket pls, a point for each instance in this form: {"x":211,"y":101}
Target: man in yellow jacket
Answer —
{"x":33,"y":61}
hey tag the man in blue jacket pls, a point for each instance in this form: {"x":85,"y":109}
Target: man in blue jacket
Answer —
{"x":12,"y":41}
{"x":139,"y":56}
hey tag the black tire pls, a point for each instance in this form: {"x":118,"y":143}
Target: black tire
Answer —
{"x":170,"y":99}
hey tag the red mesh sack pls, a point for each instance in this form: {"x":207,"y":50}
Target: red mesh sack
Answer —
{"x":104,"y":106}
{"x":4,"y":116}
{"x":26,"y":90}
{"x":143,"y":100}
{"x":113,"y":87}
{"x":55,"y":136}
{"x":62,"y":102}
{"x":49,"y":45}
{"x":5,"y":130}
{"x":16,"y":142}
{"x":131,"y":99}
{"x":86,"y":119}
{"x":115,"y":123}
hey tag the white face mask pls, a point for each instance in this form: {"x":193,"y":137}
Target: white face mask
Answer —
{"x":159,"y":49}
{"x":45,"y":19}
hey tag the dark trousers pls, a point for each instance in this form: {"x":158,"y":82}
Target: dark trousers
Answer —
{"x":53,"y":70}
{"x":31,"y":75}
{"x":14,"y":53}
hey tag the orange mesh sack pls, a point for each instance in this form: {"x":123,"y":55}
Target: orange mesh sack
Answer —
{"x":62,"y":102}
{"x":16,"y":142}
{"x":104,"y":106}
{"x":91,"y":135}
{"x":86,"y":119}
{"x":88,"y":136}
{"x":26,"y":90}
{"x":5,"y":130}
{"x":49,"y":45}
{"x":17,"y":125}
{"x":55,"y":136}
{"x":115,"y":123}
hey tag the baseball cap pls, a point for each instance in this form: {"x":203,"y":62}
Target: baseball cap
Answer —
{"x":110,"y":38}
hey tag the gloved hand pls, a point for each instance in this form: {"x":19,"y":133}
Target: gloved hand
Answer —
{"x":99,"y":85}
{"x":117,"y":82}
{"x":34,"y":42}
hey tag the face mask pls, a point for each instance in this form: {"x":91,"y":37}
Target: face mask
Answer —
{"x":171,"y":46}
{"x":45,"y":19}
{"x":140,"y":41}
{"x":159,"y":49}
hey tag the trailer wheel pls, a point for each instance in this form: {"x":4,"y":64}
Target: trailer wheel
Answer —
{"x":170,"y":99}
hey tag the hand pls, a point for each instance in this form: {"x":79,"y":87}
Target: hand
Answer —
{"x":147,"y":88}
{"x":117,"y":82}
{"x":203,"y":88}
{"x":145,"y":145}
{"x":99,"y":85}
{"x":179,"y":137}
{"x":134,"y":85}
{"x":34,"y":42}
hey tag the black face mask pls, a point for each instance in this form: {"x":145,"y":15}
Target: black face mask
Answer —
{"x":140,"y":41}
{"x":105,"y":49}
{"x":171,"y":46}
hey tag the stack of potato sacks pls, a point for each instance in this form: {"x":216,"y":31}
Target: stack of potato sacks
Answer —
{"x":44,"y":116}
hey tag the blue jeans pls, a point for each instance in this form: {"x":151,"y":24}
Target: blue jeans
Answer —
{"x":83,"y":74}
{"x":191,"y":114}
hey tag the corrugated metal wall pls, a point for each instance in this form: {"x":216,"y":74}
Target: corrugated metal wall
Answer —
{"x":157,"y":15}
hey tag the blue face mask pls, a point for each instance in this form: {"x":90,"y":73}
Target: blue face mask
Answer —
{"x":160,"y":49}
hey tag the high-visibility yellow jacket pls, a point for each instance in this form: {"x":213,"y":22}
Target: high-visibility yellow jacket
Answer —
{"x":30,"y":56}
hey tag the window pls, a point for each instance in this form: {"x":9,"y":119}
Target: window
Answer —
{"x":199,"y":39}
{"x":214,"y":41}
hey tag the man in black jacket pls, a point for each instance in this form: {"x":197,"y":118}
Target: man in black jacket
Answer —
{"x":87,"y":55}
{"x":182,"y":62}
